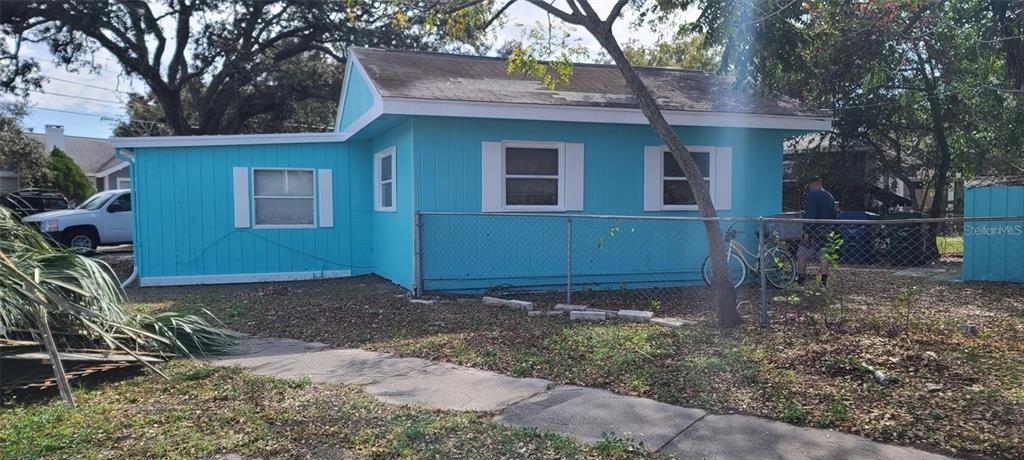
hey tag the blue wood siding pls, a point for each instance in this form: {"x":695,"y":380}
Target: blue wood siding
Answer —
{"x":393,"y":230}
{"x":358,"y":98}
{"x":477,"y":252}
{"x":184,"y":213}
{"x":994,"y":251}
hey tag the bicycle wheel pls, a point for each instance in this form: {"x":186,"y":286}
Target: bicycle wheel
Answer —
{"x":779,"y":267}
{"x":737,"y":270}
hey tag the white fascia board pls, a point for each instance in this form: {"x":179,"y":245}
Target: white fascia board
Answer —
{"x":406,"y":106}
{"x":374,"y":111}
{"x":233,"y":139}
{"x":241,"y":278}
{"x":112,"y":170}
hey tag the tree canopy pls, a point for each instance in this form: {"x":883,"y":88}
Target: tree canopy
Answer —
{"x":216,"y":66}
{"x":18,"y":152}
{"x":930,"y":85}
{"x":67,"y":177}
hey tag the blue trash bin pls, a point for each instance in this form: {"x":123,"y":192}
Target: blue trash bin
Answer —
{"x":858,"y":239}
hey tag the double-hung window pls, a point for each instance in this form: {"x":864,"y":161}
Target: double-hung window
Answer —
{"x":675,"y":186}
{"x":666,"y":188}
{"x":384,"y":179}
{"x":284,"y":197}
{"x":533,"y":175}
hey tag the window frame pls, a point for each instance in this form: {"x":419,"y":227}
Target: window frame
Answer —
{"x":253,"y":197}
{"x":378,"y":183}
{"x":117,"y":183}
{"x":712,"y":177}
{"x":560,"y":147}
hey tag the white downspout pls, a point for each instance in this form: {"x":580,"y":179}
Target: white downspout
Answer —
{"x":135,"y":253}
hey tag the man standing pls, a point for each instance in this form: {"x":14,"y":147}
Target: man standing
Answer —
{"x":819,"y":205}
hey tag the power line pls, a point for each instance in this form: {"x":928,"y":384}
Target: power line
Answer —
{"x":93,"y":99}
{"x":91,"y":114}
{"x":85,"y":84}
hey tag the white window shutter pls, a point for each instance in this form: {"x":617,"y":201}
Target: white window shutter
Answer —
{"x":652,"y":177}
{"x":325,"y":197}
{"x":241,"y":195}
{"x":491,"y":177}
{"x":574,"y":177}
{"x":723,"y":178}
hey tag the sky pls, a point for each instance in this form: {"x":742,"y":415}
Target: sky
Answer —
{"x":91,"y":103}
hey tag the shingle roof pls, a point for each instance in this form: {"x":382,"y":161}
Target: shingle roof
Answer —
{"x":435,"y":76}
{"x":91,"y":154}
{"x":995,"y":181}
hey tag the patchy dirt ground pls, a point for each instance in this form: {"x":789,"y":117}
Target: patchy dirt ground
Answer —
{"x":951,"y":355}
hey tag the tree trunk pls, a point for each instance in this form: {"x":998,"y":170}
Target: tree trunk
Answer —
{"x":722,"y":288}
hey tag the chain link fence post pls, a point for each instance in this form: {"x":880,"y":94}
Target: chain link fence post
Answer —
{"x":568,"y":260}
{"x":762,"y":261}
{"x":418,"y":254}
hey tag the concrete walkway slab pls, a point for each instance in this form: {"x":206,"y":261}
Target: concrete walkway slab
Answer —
{"x":343,"y":366}
{"x":588,"y":414}
{"x":741,"y":436}
{"x":255,"y":351}
{"x":448,"y":386}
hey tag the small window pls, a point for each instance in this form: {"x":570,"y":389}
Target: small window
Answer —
{"x":533,"y":175}
{"x":384,"y":193}
{"x":675,"y":186}
{"x":283,"y":197}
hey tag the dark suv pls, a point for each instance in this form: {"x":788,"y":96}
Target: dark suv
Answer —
{"x":34,"y":201}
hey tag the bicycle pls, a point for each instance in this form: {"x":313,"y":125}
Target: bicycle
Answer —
{"x":781,"y":272}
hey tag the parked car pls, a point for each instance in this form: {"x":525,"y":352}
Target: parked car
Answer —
{"x":105,"y":218}
{"x":31,"y":201}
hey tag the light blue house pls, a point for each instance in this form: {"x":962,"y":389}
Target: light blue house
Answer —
{"x":994,"y":249}
{"x":426,"y":133}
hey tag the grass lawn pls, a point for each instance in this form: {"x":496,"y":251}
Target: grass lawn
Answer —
{"x":952,"y":392}
{"x":203,"y":412}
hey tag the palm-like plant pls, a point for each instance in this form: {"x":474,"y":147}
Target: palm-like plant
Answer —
{"x":81,"y":299}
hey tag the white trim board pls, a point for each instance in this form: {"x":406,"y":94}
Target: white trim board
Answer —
{"x":372,"y":113}
{"x":233,"y":139}
{"x":241,"y":278}
{"x":445,"y":108}
{"x":109,"y":171}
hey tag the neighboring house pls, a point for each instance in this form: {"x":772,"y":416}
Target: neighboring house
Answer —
{"x":855,"y":176}
{"x":423,"y":132}
{"x":94,"y":156}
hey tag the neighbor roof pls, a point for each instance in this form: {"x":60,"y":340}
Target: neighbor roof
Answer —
{"x":995,"y":181}
{"x":436,"y":76}
{"x":91,"y":154}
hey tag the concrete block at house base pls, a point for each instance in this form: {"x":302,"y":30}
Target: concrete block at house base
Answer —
{"x":636,"y":315}
{"x":567,"y":307}
{"x":517,"y":304}
{"x":587,"y":315}
{"x":672,"y":322}
{"x":536,"y":313}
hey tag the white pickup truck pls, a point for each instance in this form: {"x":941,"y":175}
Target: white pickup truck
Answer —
{"x":105,"y":218}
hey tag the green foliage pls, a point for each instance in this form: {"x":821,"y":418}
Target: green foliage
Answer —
{"x":547,"y":54}
{"x":18,"y":152}
{"x":68,"y":178}
{"x":81,"y":296}
{"x":222,"y":67}
{"x":683,"y":53}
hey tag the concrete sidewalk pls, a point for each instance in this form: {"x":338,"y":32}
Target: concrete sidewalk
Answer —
{"x":585,"y":414}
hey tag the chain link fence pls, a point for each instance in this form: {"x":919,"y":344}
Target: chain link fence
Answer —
{"x":659,"y":263}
